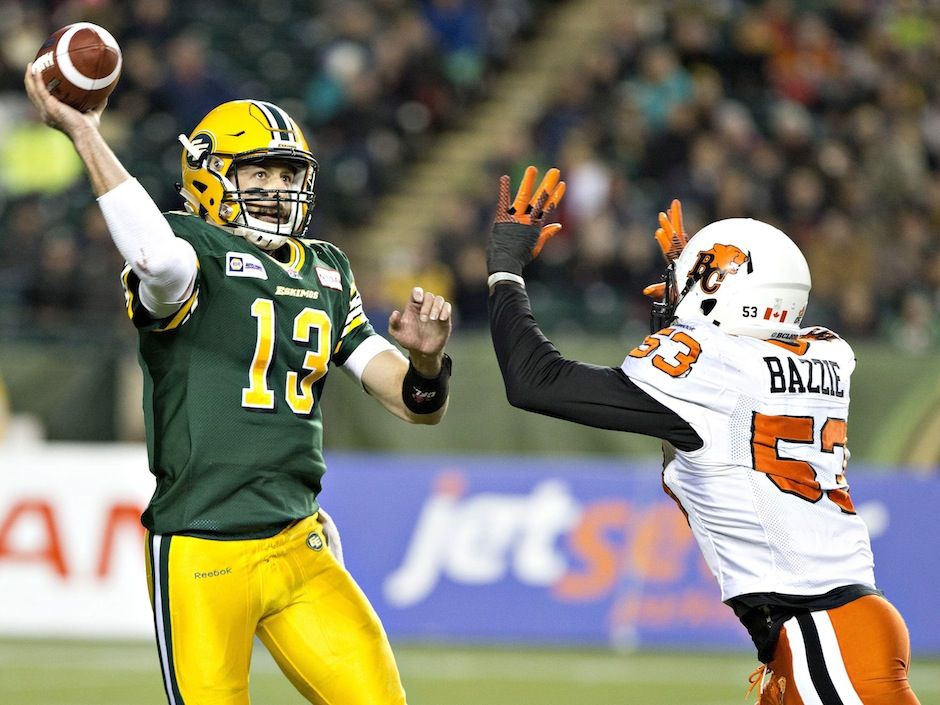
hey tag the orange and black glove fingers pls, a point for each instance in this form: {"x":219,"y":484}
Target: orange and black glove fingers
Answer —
{"x":550,"y":193}
{"x":675,"y":220}
{"x":521,"y":206}
{"x":540,"y":198}
{"x":503,"y":212}
{"x":671,"y":234}
{"x":514,"y":235}
{"x":526,"y":207}
{"x":518,"y":234}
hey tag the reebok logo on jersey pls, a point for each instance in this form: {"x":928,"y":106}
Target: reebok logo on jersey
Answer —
{"x":299,"y":293}
{"x":714,"y":264}
{"x":329,"y":278}
{"x":242,"y":264}
{"x":213,"y":573}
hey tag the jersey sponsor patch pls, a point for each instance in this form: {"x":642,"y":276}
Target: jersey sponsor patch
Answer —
{"x":329,"y":278}
{"x":242,"y":264}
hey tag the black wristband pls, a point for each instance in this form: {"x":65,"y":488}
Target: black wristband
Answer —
{"x":423,"y":395}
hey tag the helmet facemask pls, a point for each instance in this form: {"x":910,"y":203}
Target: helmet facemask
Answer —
{"x":663,"y":312}
{"x":266,"y":217}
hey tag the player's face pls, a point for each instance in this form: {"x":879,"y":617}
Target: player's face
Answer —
{"x":266,"y":177}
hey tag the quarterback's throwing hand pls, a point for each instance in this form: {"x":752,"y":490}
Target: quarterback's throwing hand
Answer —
{"x":54,"y":112}
{"x":422,"y":328}
{"x":520,"y":232}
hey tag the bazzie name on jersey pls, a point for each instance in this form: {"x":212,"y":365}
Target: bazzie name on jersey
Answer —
{"x":811,"y":376}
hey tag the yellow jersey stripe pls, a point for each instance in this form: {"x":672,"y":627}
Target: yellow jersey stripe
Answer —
{"x":298,"y":256}
{"x":182,"y":314}
{"x":128,"y":294}
{"x":352,"y":325}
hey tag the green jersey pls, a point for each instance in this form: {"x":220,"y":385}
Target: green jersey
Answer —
{"x":233,"y":382}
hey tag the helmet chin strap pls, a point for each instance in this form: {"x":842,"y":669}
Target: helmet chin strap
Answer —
{"x":264,"y":240}
{"x":256,"y":230}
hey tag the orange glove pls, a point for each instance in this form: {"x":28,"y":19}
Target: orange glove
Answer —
{"x":671,"y":234}
{"x":672,"y":239}
{"x":518,"y":232}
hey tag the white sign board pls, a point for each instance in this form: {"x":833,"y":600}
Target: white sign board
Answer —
{"x":71,"y":542}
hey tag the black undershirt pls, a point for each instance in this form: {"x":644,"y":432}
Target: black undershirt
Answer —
{"x":537,"y":378}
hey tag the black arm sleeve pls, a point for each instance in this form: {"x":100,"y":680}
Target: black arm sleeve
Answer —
{"x":537,"y":378}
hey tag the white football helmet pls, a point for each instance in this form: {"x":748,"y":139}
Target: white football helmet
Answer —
{"x":743,"y":275}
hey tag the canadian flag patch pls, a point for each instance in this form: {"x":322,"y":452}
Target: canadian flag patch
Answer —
{"x":329,"y":278}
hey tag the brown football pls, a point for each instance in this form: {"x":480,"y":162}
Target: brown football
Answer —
{"x":80,"y":64}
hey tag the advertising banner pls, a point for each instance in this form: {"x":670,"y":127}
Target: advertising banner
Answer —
{"x":71,"y":543}
{"x":577,"y":550}
{"x":473,"y":549}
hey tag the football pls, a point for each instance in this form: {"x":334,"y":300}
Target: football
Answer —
{"x":80,"y":64}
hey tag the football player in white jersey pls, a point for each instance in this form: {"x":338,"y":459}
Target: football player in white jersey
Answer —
{"x":752,"y":409}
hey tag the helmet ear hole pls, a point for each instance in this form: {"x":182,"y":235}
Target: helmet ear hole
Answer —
{"x":708,"y":305}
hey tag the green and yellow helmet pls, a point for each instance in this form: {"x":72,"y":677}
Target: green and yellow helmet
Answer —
{"x":244,"y":132}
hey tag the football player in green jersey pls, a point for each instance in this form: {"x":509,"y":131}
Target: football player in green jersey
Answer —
{"x":239,"y":321}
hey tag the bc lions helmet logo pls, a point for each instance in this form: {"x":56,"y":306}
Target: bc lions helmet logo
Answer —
{"x":713,"y":265}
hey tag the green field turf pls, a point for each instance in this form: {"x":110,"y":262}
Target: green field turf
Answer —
{"x":107,"y":673}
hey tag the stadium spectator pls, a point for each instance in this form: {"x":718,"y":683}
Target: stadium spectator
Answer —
{"x":817,"y":120}
{"x":777,"y":110}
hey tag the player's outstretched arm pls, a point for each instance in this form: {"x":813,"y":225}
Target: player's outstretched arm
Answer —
{"x":165,"y":265}
{"x":415,"y":388}
{"x":536,"y":376}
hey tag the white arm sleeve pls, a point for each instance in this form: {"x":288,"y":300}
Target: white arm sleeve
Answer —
{"x":356,"y":364}
{"x":165,"y":264}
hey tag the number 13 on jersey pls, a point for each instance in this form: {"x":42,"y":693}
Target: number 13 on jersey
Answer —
{"x":310,"y":325}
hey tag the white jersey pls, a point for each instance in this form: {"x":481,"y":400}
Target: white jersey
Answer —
{"x":766,"y":495}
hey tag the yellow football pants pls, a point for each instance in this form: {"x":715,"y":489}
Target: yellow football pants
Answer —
{"x":210,"y":598}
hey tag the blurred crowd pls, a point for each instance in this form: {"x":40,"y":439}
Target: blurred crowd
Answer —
{"x":371,"y":81}
{"x":821,"y":117}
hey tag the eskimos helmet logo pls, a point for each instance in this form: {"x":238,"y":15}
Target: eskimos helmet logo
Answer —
{"x":203,"y":145}
{"x":713,"y":265}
